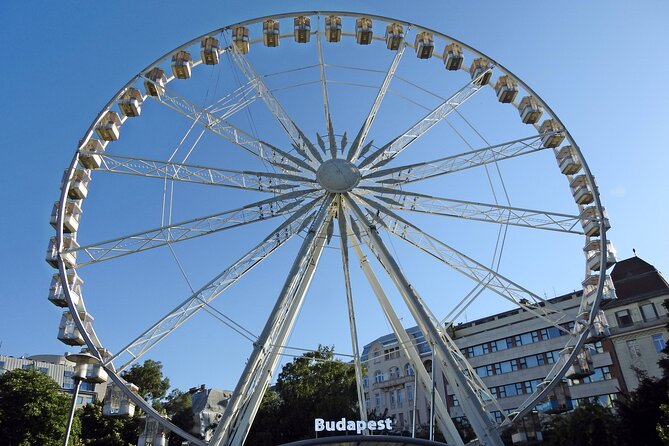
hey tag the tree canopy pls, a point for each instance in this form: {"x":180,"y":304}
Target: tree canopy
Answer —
{"x":33,"y":410}
{"x":315,"y":385}
{"x":153,"y":386}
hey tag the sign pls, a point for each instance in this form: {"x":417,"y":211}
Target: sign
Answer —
{"x":358,"y":426}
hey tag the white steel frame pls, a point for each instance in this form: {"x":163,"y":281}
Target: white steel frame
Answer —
{"x":310,"y":208}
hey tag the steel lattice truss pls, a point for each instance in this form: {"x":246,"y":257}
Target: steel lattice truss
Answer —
{"x":314,"y":187}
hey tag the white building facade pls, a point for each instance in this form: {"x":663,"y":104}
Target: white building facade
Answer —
{"x":513,"y":351}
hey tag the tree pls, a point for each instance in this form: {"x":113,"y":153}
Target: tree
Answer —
{"x":314,"y":385}
{"x":149,"y":378}
{"x":99,"y":430}
{"x":33,"y":410}
{"x":588,"y":425}
{"x":179,"y":407}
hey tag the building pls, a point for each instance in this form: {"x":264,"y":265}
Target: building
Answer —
{"x":638,"y":319}
{"x":513,"y":351}
{"x":60,"y":370}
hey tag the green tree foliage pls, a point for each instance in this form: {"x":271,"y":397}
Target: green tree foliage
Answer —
{"x":33,"y":410}
{"x":314,"y":385}
{"x":153,"y":386}
{"x":99,"y":430}
{"x":178,"y":406}
{"x":588,"y":425}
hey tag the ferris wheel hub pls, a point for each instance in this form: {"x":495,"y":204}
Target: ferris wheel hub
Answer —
{"x":338,"y":175}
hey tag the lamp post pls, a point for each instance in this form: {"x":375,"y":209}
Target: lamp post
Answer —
{"x":82,"y":361}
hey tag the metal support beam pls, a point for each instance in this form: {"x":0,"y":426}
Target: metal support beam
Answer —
{"x":481,"y":422}
{"x":444,"y":420}
{"x":236,"y":420}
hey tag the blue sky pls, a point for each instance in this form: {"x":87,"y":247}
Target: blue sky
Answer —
{"x":599,"y":65}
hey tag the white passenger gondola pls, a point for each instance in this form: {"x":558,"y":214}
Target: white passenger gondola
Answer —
{"x":154,"y":434}
{"x":270,"y":33}
{"x":506,"y":89}
{"x":209,"y":48}
{"x":56,"y":293}
{"x":108,"y":129}
{"x":582,"y":366}
{"x":155,"y":82}
{"x":597,"y":331}
{"x":590,"y":286}
{"x":481,"y":68}
{"x":558,"y":399}
{"x":530,"y":110}
{"x":592,"y":255}
{"x":69,"y":257}
{"x":302,"y":29}
{"x":182,"y":64}
{"x":590,"y":221}
{"x":394,"y":36}
{"x":581,"y":190}
{"x":117,"y":404}
{"x":240,"y":37}
{"x":551,"y":140}
{"x":568,"y":160}
{"x":363,"y":31}
{"x":70,"y":218}
{"x":424,"y":45}
{"x":79,"y":184}
{"x":333,"y":28}
{"x":131,"y":103}
{"x":453,"y":57}
{"x":90,"y":155}
{"x":68,"y":333}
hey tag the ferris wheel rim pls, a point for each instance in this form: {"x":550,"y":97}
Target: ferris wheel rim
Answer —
{"x":90,"y":340}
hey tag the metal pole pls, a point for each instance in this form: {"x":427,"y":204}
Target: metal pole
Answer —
{"x":432,"y":392}
{"x":415,"y":398}
{"x":75,"y":395}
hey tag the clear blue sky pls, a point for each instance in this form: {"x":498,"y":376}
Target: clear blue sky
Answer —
{"x":600,"y":65}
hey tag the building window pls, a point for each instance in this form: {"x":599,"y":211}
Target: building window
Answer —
{"x":377,"y":399}
{"x":391,"y":353}
{"x":408,"y":370}
{"x":365,"y":382}
{"x":28,"y":367}
{"x":456,"y":401}
{"x":410,"y":392}
{"x":394,"y":373}
{"x":659,"y":343}
{"x":400,"y":397}
{"x":393,"y":400}
{"x":633,"y":349}
{"x":648,"y":312}
{"x":68,"y":383}
{"x":624,"y":318}
{"x":379,"y":377}
{"x":44,"y":370}
{"x":377,"y":358}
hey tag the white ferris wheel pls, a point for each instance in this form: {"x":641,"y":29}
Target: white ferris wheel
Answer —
{"x":326,"y":140}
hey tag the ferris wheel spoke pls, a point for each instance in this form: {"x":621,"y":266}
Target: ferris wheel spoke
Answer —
{"x":467,"y":266}
{"x":248,"y":180}
{"x":343,"y":240}
{"x":205,"y":295}
{"x":261,"y":149}
{"x":470,"y":210}
{"x":444,"y":348}
{"x":236,"y":101}
{"x":247,"y":396}
{"x":359,"y":140}
{"x":294,"y":133}
{"x":186,"y":230}
{"x":398,"y":144}
{"x":409,"y":348}
{"x":428,"y":169}
{"x":326,"y":100}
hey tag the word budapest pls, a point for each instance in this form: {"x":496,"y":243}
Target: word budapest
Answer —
{"x":344,"y":425}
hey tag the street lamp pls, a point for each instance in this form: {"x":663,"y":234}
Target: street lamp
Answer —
{"x":87,"y":368}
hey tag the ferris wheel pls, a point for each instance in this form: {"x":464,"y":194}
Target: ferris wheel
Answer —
{"x":323,"y":139}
